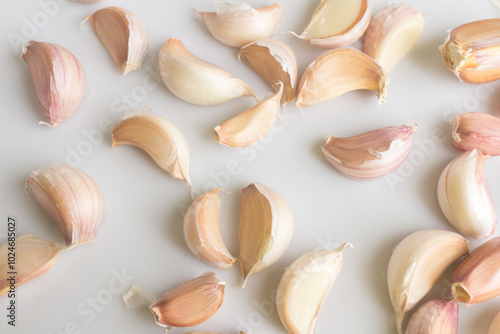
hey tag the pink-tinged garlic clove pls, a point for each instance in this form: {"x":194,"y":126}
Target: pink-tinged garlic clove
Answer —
{"x":435,"y":317}
{"x":477,"y":131}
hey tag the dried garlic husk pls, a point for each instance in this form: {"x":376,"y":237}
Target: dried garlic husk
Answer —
{"x":477,"y":130}
{"x":495,"y":325}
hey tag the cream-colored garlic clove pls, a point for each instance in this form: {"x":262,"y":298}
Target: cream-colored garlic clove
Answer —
{"x":33,"y":258}
{"x":275,"y":62}
{"x":237,"y":23}
{"x":197,"y":81}
{"x":202,"y":233}
{"x":124,"y":36}
{"x":337,"y":72}
{"x":266,"y":228}
{"x":58,"y":78}
{"x":372,"y":154}
{"x":495,"y":324}
{"x":304,"y":287}
{"x":71,"y":198}
{"x":477,"y":130}
{"x":464,"y":196}
{"x":160,"y":138}
{"x":435,"y":317}
{"x":416,"y":264}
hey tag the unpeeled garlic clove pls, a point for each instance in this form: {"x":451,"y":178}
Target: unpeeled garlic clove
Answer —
{"x":58,"y":78}
{"x":71,"y":198}
{"x":337,"y":72}
{"x":435,"y":317}
{"x":372,"y":154}
{"x":124,"y":36}
{"x":304,"y":287}
{"x":464,"y":196}
{"x":392,"y":33}
{"x":266,"y":228}
{"x":495,"y":325}
{"x":477,"y":130}
{"x":416,"y":264}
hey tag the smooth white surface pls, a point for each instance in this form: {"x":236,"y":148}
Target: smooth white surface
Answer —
{"x":141,"y":233}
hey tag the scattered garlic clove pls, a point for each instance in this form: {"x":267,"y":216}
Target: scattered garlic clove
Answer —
{"x":435,"y":317}
{"x":58,"y":78}
{"x":337,"y":72}
{"x":372,"y":154}
{"x":124,"y":36}
{"x":392,"y":33}
{"x":495,"y":325}
{"x":237,"y":23}
{"x":197,"y":81}
{"x":416,"y":264}
{"x":266,"y":228}
{"x":275,"y":62}
{"x":71,"y":198}
{"x":477,"y":130}
{"x":304,"y":287}
{"x":464,"y":196}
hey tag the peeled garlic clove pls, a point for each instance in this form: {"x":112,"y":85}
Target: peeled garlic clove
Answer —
{"x":197,"y":81}
{"x":58,"y":79}
{"x":477,"y":130}
{"x":71,"y":198}
{"x":266,"y":228}
{"x":124,"y":36}
{"x":495,"y":325}
{"x":160,"y":138}
{"x":464,"y":196}
{"x":372,"y":154}
{"x":305,"y":286}
{"x":275,"y":62}
{"x":337,"y":72}
{"x":435,"y":317}
{"x":237,"y":23}
{"x":34,"y":257}
{"x":416,"y":264}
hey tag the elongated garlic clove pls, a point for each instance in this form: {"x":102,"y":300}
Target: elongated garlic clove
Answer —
{"x":275,"y":62}
{"x":304,"y":287}
{"x":435,"y":317}
{"x":33,"y":258}
{"x":495,"y":325}
{"x":416,"y":264}
{"x":372,"y":154}
{"x":464,"y":196}
{"x":337,"y":72}
{"x":266,"y":228}
{"x":197,"y":81}
{"x":477,"y":130}
{"x":124,"y":36}
{"x":71,"y":198}
{"x":160,"y":138}
{"x":237,"y":23}
{"x":58,"y":78}
{"x":392,"y":33}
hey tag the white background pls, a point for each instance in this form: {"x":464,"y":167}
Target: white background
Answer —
{"x":141,"y":232}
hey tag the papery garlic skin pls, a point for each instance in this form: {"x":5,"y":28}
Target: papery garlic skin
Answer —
{"x":495,"y":325}
{"x":435,"y":317}
{"x":477,"y":131}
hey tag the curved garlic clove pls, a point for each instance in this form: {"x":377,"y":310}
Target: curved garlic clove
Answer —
{"x":237,"y":23}
{"x":372,"y":154}
{"x":464,"y":196}
{"x":124,"y":36}
{"x":417,"y":263}
{"x":495,"y":325}
{"x":435,"y":317}
{"x":304,"y":287}
{"x":160,"y":138}
{"x":197,"y":81}
{"x":58,"y":78}
{"x":275,"y":62}
{"x":337,"y":72}
{"x":477,"y":130}
{"x":71,"y":198}
{"x":392,"y":33}
{"x":202,"y":233}
{"x":266,"y":228}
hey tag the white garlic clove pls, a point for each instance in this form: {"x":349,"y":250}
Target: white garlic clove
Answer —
{"x":477,"y":130}
{"x":435,"y":317}
{"x":495,"y":324}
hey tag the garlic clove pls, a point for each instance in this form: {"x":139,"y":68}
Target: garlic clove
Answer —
{"x":123,"y":34}
{"x":237,"y":23}
{"x":266,"y":228}
{"x":33,"y":258}
{"x":435,"y":317}
{"x":275,"y":62}
{"x":71,"y":198}
{"x":197,"y":81}
{"x":202,"y":233}
{"x":416,"y":264}
{"x":372,"y":154}
{"x":58,"y":78}
{"x":464,"y":196}
{"x":337,"y":72}
{"x":495,"y":325}
{"x":160,"y":138}
{"x":304,"y":287}
{"x":392,"y":33}
{"x":477,"y":130}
